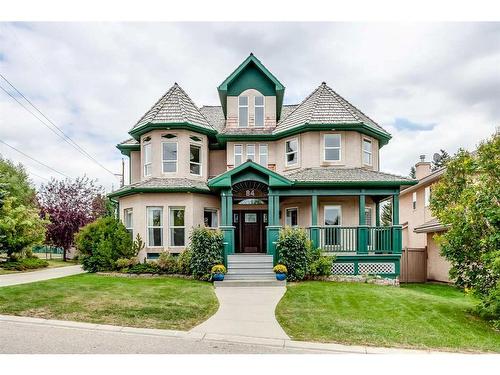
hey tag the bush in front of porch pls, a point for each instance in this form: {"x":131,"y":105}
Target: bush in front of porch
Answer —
{"x":206,"y":251}
{"x":297,"y":253}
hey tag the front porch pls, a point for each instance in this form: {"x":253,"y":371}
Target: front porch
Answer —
{"x":341,"y":219}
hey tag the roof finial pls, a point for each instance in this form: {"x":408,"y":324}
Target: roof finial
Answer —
{"x":323,"y":83}
{"x":251,"y":53}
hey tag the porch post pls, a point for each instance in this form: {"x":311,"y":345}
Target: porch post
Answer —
{"x":397,"y":237}
{"x":377,"y":213}
{"x":273,"y":227}
{"x":314,"y":231}
{"x":227,"y":227}
{"x":362,"y":228}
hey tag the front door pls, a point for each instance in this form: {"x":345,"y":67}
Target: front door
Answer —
{"x":250,"y":231}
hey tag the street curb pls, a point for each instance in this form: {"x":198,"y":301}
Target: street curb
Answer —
{"x":213,"y":337}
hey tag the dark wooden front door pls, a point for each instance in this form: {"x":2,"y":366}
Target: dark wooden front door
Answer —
{"x":250,"y":231}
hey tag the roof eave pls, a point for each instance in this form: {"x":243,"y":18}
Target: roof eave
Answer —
{"x":133,"y":190}
{"x":125,"y":149}
{"x":353,"y":183}
{"x":137,"y":132}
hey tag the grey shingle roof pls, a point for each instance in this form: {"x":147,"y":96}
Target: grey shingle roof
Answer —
{"x":430,"y":226}
{"x":332,"y":174}
{"x":174,"y":107}
{"x":130,"y":141}
{"x":163,"y":183}
{"x":214,"y":115}
{"x":325,"y":106}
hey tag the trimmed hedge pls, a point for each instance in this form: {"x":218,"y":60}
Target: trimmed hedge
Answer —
{"x":24,"y":264}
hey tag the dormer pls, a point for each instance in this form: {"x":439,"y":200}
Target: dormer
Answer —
{"x":251,"y":97}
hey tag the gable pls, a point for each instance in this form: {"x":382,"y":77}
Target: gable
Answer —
{"x":251,"y":78}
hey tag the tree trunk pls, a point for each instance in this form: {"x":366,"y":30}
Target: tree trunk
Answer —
{"x":64,"y":254}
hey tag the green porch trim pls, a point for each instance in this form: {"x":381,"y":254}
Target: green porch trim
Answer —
{"x":126,"y":149}
{"x":247,"y":169}
{"x":359,"y":259}
{"x":355,"y":183}
{"x":132,"y":190}
{"x":377,"y":213}
{"x":251,"y":73}
{"x":137,"y":132}
{"x":334,"y":191}
{"x":360,"y":127}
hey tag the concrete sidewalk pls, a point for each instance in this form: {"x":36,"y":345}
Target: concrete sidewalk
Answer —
{"x":99,"y":338}
{"x":33,"y":276}
{"x":246,"y":311}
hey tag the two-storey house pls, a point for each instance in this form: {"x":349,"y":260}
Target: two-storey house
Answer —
{"x":253,"y":165}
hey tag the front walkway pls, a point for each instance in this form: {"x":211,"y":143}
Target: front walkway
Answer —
{"x":246,"y":311}
{"x":46,"y":274}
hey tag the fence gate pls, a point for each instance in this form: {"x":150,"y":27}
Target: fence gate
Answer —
{"x":413,"y":265}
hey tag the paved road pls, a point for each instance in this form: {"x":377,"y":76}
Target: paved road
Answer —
{"x":46,"y":274}
{"x":22,"y":338}
{"x":246,"y":311}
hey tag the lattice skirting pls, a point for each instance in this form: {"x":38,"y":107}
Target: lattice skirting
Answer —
{"x":343,"y":268}
{"x":376,"y":268}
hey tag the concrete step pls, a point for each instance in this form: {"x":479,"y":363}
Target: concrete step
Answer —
{"x":249,"y":256}
{"x":250,"y":265}
{"x":249,"y":277}
{"x":248,"y":283}
{"x":250,"y":271}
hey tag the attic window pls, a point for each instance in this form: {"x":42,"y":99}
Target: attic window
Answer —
{"x":195,"y":138}
{"x":169,"y":136}
{"x":243,"y":111}
{"x":259,"y":111}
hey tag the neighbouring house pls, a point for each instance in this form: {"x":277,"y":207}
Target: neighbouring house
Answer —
{"x":252,"y":165}
{"x":420,"y":226}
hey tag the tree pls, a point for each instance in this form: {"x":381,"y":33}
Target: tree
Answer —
{"x":467,"y":201}
{"x":413,"y":172}
{"x":386,"y":216}
{"x":444,"y":157}
{"x":69,"y":205}
{"x":21,"y":226}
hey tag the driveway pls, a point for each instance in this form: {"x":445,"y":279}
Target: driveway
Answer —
{"x":246,"y":311}
{"x":46,"y":274}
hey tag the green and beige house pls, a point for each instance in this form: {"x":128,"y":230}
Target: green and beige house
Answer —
{"x":252,"y":165}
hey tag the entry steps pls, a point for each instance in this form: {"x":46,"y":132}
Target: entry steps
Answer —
{"x":250,"y":270}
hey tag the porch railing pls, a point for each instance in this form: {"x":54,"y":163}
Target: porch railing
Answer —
{"x":358,"y":239}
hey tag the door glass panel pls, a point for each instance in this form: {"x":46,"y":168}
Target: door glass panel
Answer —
{"x":250,"y":218}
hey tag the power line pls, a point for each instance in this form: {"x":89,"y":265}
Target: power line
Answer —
{"x":36,"y":161}
{"x":61,"y":133}
{"x":36,"y":175}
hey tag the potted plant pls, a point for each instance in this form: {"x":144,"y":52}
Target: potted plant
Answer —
{"x":280,"y":271}
{"x":218,"y":272}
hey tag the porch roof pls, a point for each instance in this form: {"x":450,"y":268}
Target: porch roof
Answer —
{"x":162,"y":185}
{"x":346,"y":176}
{"x":430,"y":226}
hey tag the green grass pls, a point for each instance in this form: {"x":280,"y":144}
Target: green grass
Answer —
{"x":159,"y":302}
{"x":413,"y":316}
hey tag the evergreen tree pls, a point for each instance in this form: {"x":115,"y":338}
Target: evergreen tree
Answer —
{"x":444,"y":157}
{"x":413,"y":172}
{"x":386,"y":216}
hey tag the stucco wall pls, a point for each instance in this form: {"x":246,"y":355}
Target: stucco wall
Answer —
{"x":194,"y":205}
{"x":269,"y":109}
{"x":135,"y":166}
{"x":216,"y":162}
{"x":438,"y":267}
{"x":271,"y":154}
{"x":183,"y":142}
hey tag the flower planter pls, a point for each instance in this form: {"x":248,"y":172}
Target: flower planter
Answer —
{"x":218,"y":277}
{"x":280,"y":276}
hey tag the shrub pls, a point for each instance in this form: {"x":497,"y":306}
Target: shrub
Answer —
{"x":122,"y":263}
{"x":280,"y":268}
{"x":218,"y":268}
{"x":184,"y":262}
{"x":292,"y":247}
{"x":146,"y":267}
{"x":102,"y":243}
{"x":167,"y":263}
{"x":206,"y":247}
{"x":319,"y":265}
{"x":25,"y":264}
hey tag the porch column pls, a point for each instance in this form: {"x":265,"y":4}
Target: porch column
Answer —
{"x":273,"y":227}
{"x":227,"y":227}
{"x":315,"y":229}
{"x":397,"y":237}
{"x":377,"y":213}
{"x":362,"y":227}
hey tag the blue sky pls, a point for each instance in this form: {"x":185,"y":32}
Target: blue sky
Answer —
{"x":430,"y":85}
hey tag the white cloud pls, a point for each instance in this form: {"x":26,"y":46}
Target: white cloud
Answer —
{"x":95,"y":80}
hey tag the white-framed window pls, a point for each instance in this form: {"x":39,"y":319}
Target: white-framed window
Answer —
{"x":169,"y":156}
{"x":195,"y":159}
{"x":243,"y":111}
{"x":367,"y":152}
{"x":368,"y":216}
{"x":251,"y":152}
{"x":332,"y":147}
{"x":292,"y":217}
{"x":128,"y":221}
{"x":259,"y":111}
{"x":211,"y":218}
{"x":263,"y":155}
{"x":292,"y":151}
{"x":147,"y":159}
{"x":427,"y":196}
{"x":177,"y":226}
{"x":414,"y":200}
{"x":238,"y":155}
{"x":332,"y":218}
{"x":155,"y":226}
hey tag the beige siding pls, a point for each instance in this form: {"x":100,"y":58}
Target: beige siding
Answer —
{"x":269,"y":109}
{"x":216,"y":162}
{"x":135,"y":166}
{"x":438,"y":267}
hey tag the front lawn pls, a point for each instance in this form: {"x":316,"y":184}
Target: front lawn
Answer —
{"x":413,"y":316}
{"x":157,"y":302}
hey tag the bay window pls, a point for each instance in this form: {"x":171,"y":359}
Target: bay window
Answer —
{"x":155,"y":226}
{"x":195,"y":160}
{"x":332,"y":147}
{"x":177,"y":226}
{"x":292,"y":151}
{"x":367,"y":152}
{"x":147,"y":159}
{"x":169,"y":157}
